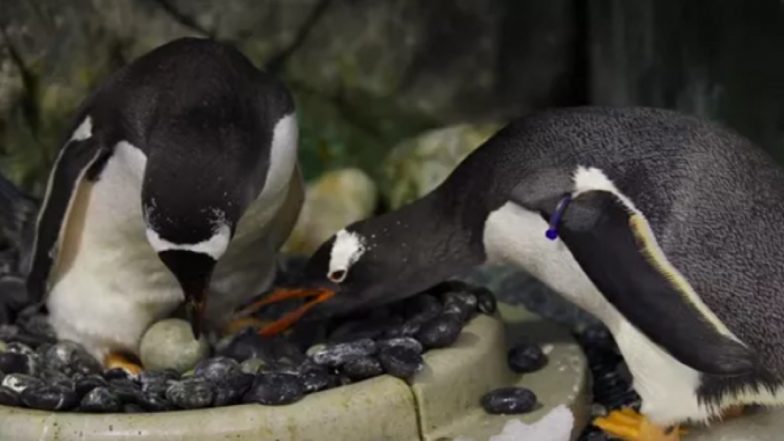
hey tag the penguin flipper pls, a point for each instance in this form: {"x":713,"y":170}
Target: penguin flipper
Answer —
{"x":72,"y":167}
{"x":616,"y":249}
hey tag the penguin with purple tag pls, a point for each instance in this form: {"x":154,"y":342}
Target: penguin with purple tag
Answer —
{"x":176,"y":184}
{"x":666,"y":227}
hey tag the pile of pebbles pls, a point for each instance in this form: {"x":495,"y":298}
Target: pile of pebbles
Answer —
{"x":612,"y":382}
{"x":39,"y":372}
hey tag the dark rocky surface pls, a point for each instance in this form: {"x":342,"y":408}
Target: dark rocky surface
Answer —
{"x":39,"y":372}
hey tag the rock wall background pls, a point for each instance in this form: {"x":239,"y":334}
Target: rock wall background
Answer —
{"x":401,"y":90}
{"x":366,"y":74}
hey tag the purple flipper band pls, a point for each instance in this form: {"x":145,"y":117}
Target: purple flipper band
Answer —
{"x":552,"y":232}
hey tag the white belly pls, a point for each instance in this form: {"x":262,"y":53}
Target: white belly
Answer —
{"x":666,"y":386}
{"x":109,"y":285}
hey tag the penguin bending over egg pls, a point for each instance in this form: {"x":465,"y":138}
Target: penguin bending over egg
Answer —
{"x":665,"y":227}
{"x":178,"y":181}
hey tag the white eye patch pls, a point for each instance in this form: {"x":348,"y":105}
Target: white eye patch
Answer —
{"x":346,"y":250}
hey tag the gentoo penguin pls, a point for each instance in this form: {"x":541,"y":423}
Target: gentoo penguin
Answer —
{"x":178,"y":181}
{"x":664,"y":226}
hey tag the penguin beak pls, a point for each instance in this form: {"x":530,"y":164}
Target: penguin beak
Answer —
{"x":193,"y":270}
{"x":194,"y":310}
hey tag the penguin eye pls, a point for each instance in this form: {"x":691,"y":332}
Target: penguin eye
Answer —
{"x":337,"y":276}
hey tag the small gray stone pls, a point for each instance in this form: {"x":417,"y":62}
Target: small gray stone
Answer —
{"x":246,"y":344}
{"x":406,"y":342}
{"x":485,"y":299}
{"x":117,"y":373}
{"x":252,"y":365}
{"x":132,"y":408}
{"x":509,"y":400}
{"x":101,"y":399}
{"x":273,"y":389}
{"x":317,"y":379}
{"x":525,"y":358}
{"x":426,"y":305}
{"x":155,"y":403}
{"x":361,"y":368}
{"x":17,"y":363}
{"x":8,"y":397}
{"x":70,"y":358}
{"x":58,"y":378}
{"x":49,"y":397}
{"x":215,"y":369}
{"x":336,"y":354}
{"x":19,"y":348}
{"x":88,"y":383}
{"x":439,"y":332}
{"x":191,"y":394}
{"x":231,"y":388}
{"x":169,"y":344}
{"x":19,"y":382}
{"x":157,"y":382}
{"x":460,"y":304}
{"x":38,"y":325}
{"x":400,"y":362}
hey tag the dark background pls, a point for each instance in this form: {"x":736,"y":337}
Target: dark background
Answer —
{"x":368,"y":74}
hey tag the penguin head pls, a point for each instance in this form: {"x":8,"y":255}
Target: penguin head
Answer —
{"x":198,"y":182}
{"x":380,"y":260}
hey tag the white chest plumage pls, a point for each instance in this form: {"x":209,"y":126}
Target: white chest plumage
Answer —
{"x":109,"y":285}
{"x":517,"y":236}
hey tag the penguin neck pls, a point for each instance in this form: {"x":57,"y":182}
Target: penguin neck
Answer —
{"x":433,"y":240}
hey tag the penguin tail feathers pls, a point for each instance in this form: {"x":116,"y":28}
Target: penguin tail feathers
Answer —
{"x":17,"y":217}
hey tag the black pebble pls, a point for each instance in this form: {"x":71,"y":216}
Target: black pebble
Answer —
{"x":70,"y":358}
{"x":17,"y":363}
{"x":193,"y":393}
{"x":247,"y":344}
{"x":155,"y":403}
{"x":57,"y":378}
{"x":38,"y":325}
{"x":101,"y":399}
{"x":485,"y":301}
{"x":423,"y":304}
{"x":216,"y":368}
{"x":132,"y":408}
{"x":157,"y":381}
{"x":400,"y":362}
{"x":526,"y":358}
{"x":367,"y":328}
{"x":231,"y":388}
{"x":116,"y":374}
{"x":87,"y":383}
{"x":314,"y":380}
{"x":20,"y":382}
{"x":594,"y":435}
{"x":439,"y":332}
{"x":406,"y":342}
{"x":127,"y":391}
{"x":8,"y":397}
{"x":362,"y":368}
{"x":509,"y":400}
{"x":8,"y":332}
{"x":461,"y":304}
{"x":336,"y":354}
{"x":19,"y":348}
{"x":49,"y":397}
{"x":274,"y":389}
